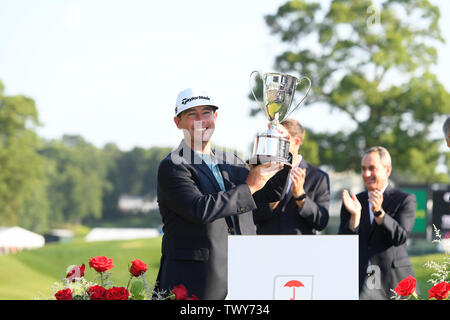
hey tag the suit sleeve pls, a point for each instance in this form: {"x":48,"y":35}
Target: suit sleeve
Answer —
{"x":344,"y":222}
{"x":262,"y":213}
{"x":315,"y":210}
{"x":398,"y":227}
{"x":275,"y":188}
{"x":181,"y":194}
{"x":273,"y":191}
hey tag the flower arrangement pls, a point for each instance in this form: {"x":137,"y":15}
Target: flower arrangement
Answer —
{"x":406,"y":289}
{"x":75,"y":287}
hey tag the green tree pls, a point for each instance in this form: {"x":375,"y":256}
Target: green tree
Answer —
{"x":154,"y":156}
{"x":77,"y":179}
{"x":21,"y":167}
{"x":372,"y":65}
{"x":132,"y":166}
{"x":112,"y":191}
{"x":130,"y":172}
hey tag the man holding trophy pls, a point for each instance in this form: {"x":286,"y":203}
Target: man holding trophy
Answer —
{"x":206,"y":194}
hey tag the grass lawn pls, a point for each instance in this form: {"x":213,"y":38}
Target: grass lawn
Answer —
{"x":423,"y":273}
{"x":30,"y":274}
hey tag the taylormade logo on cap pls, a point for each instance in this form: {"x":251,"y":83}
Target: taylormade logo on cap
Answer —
{"x":186,"y":100}
{"x":190,"y":98}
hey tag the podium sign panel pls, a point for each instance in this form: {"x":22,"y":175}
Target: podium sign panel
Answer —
{"x":293,"y":267}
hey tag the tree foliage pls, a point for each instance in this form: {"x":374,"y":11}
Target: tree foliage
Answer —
{"x":21,"y":168}
{"x":373,"y":65}
{"x":53,"y":183}
{"x":76,"y":174}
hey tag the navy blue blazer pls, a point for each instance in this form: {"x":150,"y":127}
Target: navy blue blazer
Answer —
{"x":194,"y":211}
{"x":288,"y":218}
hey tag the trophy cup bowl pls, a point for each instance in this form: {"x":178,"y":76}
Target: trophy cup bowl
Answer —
{"x":278,"y":93}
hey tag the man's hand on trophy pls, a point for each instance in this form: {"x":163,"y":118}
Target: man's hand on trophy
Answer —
{"x":259,"y":175}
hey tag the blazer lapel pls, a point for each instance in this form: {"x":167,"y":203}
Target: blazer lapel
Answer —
{"x":226,"y":176}
{"x":287,"y":195}
{"x":207,"y":172}
{"x":365,"y":215}
{"x":387,"y":199}
{"x":385,"y":205}
{"x":304,"y":165}
{"x":225,"y":169}
{"x":197,"y":162}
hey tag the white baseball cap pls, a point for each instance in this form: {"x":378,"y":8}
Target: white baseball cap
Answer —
{"x":190,"y":98}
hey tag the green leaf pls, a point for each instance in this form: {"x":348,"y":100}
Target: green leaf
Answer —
{"x":136,"y":288}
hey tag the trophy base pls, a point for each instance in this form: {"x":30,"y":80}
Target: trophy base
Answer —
{"x":262,"y":158}
{"x":270,"y":146}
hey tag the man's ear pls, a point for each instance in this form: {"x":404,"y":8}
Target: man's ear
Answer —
{"x":298,"y":141}
{"x":389,"y":169}
{"x":177,"y":121}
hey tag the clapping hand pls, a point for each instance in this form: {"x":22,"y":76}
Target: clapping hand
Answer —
{"x":351,"y":203}
{"x":353,"y":206}
{"x":376,"y":199}
{"x":298,"y":180}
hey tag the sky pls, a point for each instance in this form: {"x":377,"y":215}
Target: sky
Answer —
{"x":110,"y":70}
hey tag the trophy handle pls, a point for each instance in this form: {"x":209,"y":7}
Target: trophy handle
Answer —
{"x":306,"y":94}
{"x":253,"y":93}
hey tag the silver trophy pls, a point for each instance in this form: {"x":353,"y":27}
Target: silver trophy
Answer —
{"x":278,"y":92}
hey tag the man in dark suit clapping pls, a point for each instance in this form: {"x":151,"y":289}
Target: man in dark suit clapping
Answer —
{"x":383,"y":217}
{"x":304,"y":207}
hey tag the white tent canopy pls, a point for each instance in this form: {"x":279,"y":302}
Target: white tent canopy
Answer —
{"x":103,"y":234}
{"x":17,"y":238}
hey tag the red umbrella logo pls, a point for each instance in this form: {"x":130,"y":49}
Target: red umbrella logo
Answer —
{"x":293,"y":284}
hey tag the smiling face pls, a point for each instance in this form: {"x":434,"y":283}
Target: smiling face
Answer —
{"x":197,"y":123}
{"x":375,"y":172}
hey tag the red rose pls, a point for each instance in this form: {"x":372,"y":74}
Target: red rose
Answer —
{"x":439,"y":291}
{"x":75,"y":273}
{"x":406,"y":287}
{"x":137,"y":267}
{"x":117,"y":293}
{"x":64,"y":294}
{"x":180,"y":292}
{"x":97,"y":292}
{"x":101,"y":264}
{"x":193,"y":297}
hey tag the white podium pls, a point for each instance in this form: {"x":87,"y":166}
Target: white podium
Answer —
{"x":293,"y":267}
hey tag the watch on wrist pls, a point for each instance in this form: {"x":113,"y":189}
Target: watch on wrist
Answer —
{"x":300,"y":197}
{"x":378,"y":213}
